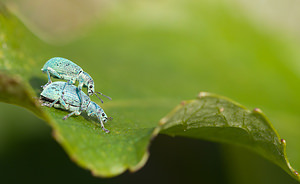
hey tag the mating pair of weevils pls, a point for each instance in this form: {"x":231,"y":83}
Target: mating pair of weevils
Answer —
{"x":65,"y":95}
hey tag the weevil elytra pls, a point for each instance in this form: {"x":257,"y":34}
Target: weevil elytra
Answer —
{"x":65,"y":69}
{"x":60,"y":95}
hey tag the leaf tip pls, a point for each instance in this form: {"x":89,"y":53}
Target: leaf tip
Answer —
{"x":141,"y":163}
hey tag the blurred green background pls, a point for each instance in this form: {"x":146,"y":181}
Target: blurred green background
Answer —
{"x":246,"y":51}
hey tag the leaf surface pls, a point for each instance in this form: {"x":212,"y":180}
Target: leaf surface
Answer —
{"x":147,"y":68}
{"x":216,"y":118}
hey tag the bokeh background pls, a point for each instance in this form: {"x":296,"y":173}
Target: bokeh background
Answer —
{"x":248,"y":51}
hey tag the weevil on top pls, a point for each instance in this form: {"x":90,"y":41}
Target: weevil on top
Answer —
{"x":60,"y":95}
{"x":65,"y":69}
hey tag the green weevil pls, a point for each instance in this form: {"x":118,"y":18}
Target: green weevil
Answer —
{"x":62,"y":68}
{"x":60,"y":95}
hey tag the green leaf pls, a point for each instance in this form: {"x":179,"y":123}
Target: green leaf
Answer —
{"x":216,"y":118}
{"x":103,"y":154}
{"x":147,"y":67}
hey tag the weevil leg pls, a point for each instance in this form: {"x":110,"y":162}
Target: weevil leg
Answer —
{"x":53,"y":72}
{"x":63,"y":103}
{"x":78,"y":91}
{"x":49,"y":72}
{"x":62,"y":93}
{"x":103,"y":128}
{"x":46,"y":104}
{"x":49,"y":77}
{"x":53,"y":103}
{"x":49,"y":80}
{"x":68,"y":115}
{"x":77,"y":113}
{"x":67,"y":83}
{"x":72,"y":81}
{"x":64,"y":87}
{"x":58,"y":106}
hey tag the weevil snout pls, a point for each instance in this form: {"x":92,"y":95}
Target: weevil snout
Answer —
{"x":91,"y":89}
{"x":90,"y":92}
{"x":103,"y":116}
{"x":105,"y":120}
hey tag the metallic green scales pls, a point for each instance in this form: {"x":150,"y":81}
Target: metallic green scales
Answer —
{"x":63,"y":96}
{"x":56,"y":90}
{"x":62,"y":68}
{"x":65,"y":69}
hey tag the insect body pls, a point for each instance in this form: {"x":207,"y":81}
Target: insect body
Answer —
{"x":63,"y":96}
{"x":65,"y":69}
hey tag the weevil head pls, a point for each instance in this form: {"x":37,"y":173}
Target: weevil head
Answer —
{"x":96,"y":110}
{"x":91,"y":88}
{"x":103,"y":117}
{"x":101,"y":114}
{"x":88,"y":82}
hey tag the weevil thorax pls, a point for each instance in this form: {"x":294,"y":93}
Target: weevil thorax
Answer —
{"x":95,"y":109}
{"x":91,"y":109}
{"x":87,"y":81}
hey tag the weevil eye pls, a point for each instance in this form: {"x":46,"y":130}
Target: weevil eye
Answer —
{"x":91,"y":86}
{"x":103,"y":114}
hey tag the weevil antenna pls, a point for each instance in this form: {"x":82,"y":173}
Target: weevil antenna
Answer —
{"x":99,"y":98}
{"x":103,"y":95}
